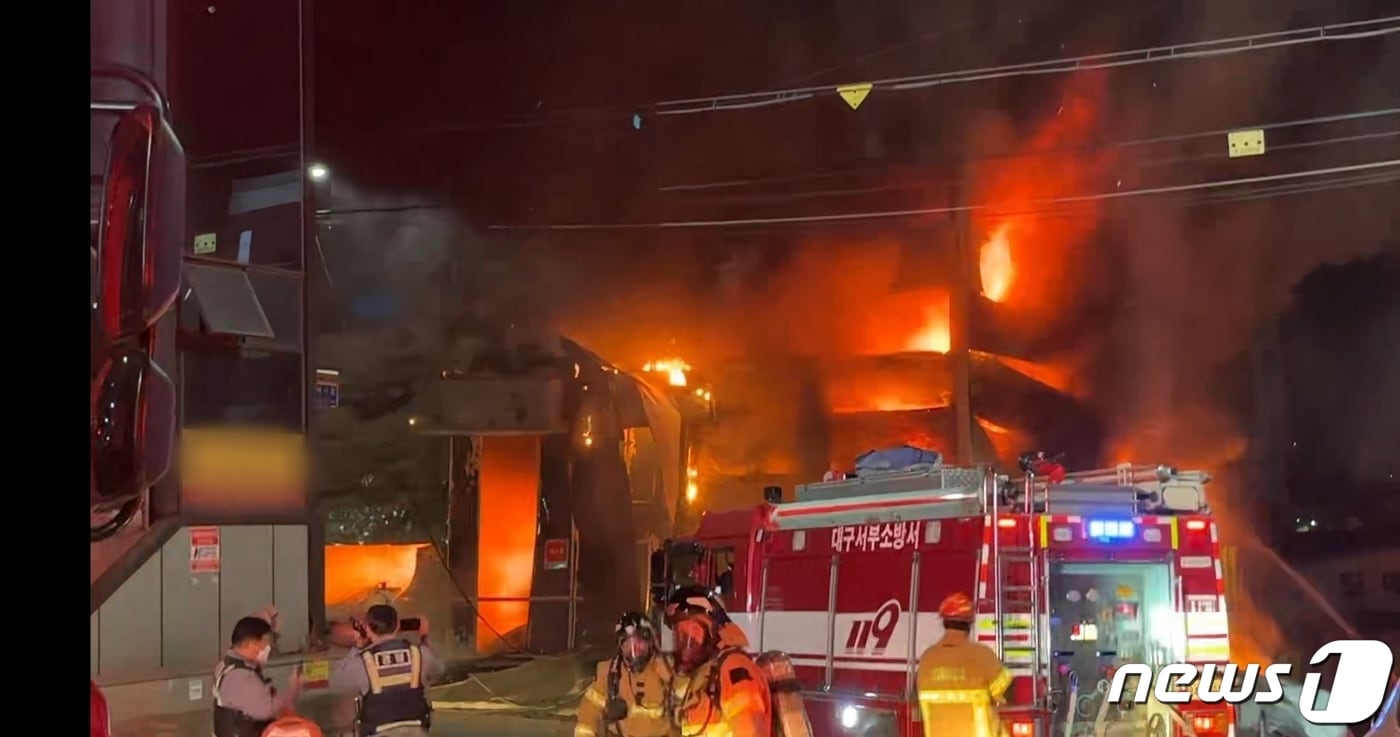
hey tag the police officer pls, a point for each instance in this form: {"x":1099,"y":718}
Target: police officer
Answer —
{"x":388,"y":673}
{"x":245,"y":701}
{"x":718,"y":690}
{"x":629,"y":691}
{"x":960,"y":681}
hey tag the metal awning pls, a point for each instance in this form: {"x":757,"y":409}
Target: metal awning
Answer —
{"x":226,"y":301}
{"x":261,"y":193}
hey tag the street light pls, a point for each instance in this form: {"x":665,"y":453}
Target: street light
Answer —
{"x":318,"y":172}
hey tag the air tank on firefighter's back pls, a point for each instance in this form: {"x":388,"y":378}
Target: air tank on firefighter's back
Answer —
{"x":789,"y":711}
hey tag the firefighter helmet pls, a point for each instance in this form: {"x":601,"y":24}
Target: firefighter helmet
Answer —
{"x":957,"y":608}
{"x":633,"y":623}
{"x":292,"y":726}
{"x":688,"y":600}
{"x":636,"y":640}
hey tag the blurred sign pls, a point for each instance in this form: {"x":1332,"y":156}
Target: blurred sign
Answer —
{"x":206,"y":243}
{"x":316,"y":673}
{"x":496,"y":406}
{"x":243,"y":469}
{"x":556,"y":554}
{"x":1246,"y":143}
{"x":204,"y":550}
{"x":327,"y":389}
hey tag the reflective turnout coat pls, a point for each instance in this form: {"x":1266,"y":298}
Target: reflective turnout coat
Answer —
{"x":644,"y":693}
{"x":726,"y":697}
{"x":960,"y":683}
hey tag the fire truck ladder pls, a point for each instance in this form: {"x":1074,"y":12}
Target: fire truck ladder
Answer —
{"x":1016,"y":588}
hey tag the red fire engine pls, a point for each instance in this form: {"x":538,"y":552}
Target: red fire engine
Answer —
{"x":1073,"y":575}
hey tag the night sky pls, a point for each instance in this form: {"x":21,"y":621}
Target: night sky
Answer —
{"x":509,"y":113}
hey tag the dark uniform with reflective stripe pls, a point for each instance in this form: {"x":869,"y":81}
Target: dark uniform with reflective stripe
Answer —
{"x":229,"y":721}
{"x":396,"y":697}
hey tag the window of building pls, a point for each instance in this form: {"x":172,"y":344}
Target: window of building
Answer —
{"x":247,"y":387}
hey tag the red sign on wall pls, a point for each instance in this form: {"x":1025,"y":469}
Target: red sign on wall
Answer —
{"x":204,"y":550}
{"x":556,"y":554}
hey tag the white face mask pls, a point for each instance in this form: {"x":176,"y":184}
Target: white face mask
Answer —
{"x":264,"y":653}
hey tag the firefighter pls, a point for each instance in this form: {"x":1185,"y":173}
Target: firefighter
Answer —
{"x":628,"y":695}
{"x":718,"y":690}
{"x":960,"y":681}
{"x":387,"y":672}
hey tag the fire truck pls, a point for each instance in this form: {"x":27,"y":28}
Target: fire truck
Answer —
{"x":1073,"y":575}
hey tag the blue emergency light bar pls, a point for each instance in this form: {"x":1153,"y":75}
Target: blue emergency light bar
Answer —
{"x":1111,"y":529}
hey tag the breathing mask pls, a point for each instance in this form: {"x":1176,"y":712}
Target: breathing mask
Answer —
{"x":695,"y":641}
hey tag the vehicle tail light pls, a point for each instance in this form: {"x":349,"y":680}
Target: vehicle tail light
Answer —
{"x":1210,"y":724}
{"x":1023,"y":729}
{"x":133,"y":426}
{"x":1195,"y":524}
{"x":143,"y":222}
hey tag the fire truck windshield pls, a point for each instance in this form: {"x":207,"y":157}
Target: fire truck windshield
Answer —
{"x":1103,"y":615}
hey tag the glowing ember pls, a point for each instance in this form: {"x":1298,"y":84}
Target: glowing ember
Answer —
{"x":934,"y":334}
{"x":674,"y":368}
{"x":995,"y":264}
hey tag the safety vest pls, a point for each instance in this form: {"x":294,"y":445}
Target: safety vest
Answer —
{"x":229,"y":721}
{"x":396,"y":697}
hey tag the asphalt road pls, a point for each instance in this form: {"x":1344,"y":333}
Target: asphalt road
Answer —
{"x":477,"y":724}
{"x":445,"y":724}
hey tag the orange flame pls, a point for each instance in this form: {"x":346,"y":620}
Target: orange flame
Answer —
{"x":354,"y":571}
{"x":934,"y":335}
{"x":674,"y":368}
{"x":995,"y":265}
{"x":509,"y":491}
{"x":1027,"y":250}
{"x":1058,"y":376}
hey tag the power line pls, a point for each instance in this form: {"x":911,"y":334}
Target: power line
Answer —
{"x":884,"y":214}
{"x":1218,"y":47}
{"x":899,"y":186}
{"x":1353,"y":30}
{"x":1003,"y":156}
{"x":1080,"y":149}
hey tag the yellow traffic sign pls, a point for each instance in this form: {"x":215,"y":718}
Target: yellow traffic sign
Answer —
{"x":1246,"y":143}
{"x":854,"y":94}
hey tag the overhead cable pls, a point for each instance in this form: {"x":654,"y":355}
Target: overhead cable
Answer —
{"x":1348,"y":31}
{"x":923,"y":184}
{"x":896,"y":186}
{"x":920,"y":212}
{"x":1079,"y":149}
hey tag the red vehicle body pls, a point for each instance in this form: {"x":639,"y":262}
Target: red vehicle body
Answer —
{"x":97,"y":707}
{"x":1071,"y":579}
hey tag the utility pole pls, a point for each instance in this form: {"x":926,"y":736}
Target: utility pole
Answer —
{"x":960,"y":296}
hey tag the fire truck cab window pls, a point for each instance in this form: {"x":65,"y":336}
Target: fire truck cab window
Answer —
{"x":685,"y":565}
{"x":1105,"y":615}
{"x":722,"y":563}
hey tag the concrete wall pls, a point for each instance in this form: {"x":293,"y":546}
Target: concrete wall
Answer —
{"x":167,"y":619}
